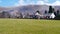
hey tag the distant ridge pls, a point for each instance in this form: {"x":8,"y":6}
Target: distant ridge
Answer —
{"x":30,"y":8}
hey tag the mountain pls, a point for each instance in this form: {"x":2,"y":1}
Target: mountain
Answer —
{"x":29,"y":8}
{"x":32,"y":8}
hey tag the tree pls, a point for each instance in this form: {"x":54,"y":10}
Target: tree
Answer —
{"x":50,"y":9}
{"x":57,"y":12}
{"x":45,"y":11}
{"x":37,"y":14}
{"x":37,"y":11}
{"x":21,"y":15}
{"x":53,"y":10}
{"x":57,"y":15}
{"x":3,"y":14}
{"x":27,"y":15}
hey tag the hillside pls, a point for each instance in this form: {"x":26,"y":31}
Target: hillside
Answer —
{"x":29,"y":8}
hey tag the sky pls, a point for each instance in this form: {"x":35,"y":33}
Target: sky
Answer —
{"x":6,"y":3}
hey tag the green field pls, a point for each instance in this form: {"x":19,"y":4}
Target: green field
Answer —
{"x":29,"y":26}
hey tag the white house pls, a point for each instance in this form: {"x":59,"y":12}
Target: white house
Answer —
{"x":52,"y":15}
{"x":38,"y":15}
{"x":49,"y":15}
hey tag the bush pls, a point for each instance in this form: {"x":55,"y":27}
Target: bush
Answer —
{"x":57,"y":17}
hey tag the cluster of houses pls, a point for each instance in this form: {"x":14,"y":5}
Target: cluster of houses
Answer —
{"x":18,"y":14}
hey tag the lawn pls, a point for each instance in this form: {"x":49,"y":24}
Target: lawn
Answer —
{"x":29,"y":26}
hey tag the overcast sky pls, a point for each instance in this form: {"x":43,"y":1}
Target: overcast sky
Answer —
{"x":29,"y":2}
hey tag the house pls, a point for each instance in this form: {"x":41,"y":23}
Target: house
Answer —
{"x":37,"y":15}
{"x":49,"y":15}
{"x":52,"y":15}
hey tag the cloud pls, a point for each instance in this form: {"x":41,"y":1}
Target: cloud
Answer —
{"x":40,"y":3}
{"x":37,"y":2}
{"x":56,"y":3}
{"x":29,"y":2}
{"x":20,"y":2}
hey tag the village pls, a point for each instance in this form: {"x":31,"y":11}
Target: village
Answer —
{"x":37,"y":15}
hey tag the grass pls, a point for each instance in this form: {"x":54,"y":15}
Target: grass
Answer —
{"x":29,"y":26}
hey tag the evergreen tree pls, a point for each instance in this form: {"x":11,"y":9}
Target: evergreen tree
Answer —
{"x":57,"y":12}
{"x":45,"y":11}
{"x":53,"y":10}
{"x":50,"y":9}
{"x":37,"y":11}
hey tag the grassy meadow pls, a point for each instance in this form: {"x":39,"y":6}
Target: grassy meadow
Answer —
{"x":29,"y":26}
